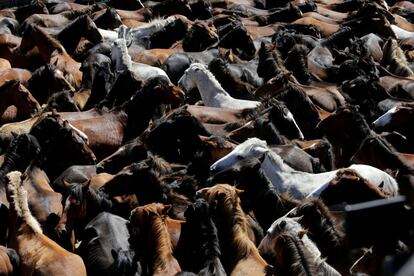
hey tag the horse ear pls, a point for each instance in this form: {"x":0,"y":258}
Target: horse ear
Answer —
{"x":202,"y":193}
{"x":302,"y":233}
{"x":239,"y":192}
{"x":165,"y":209}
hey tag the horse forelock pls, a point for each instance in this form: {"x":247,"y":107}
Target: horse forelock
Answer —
{"x":20,"y":204}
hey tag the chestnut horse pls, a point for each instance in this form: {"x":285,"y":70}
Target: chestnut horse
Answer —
{"x":13,"y":93}
{"x":242,"y":256}
{"x":40,"y":255}
{"x":149,"y":231}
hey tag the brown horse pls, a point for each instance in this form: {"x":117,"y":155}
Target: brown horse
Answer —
{"x":45,"y":204}
{"x":17,"y":74}
{"x":235,"y":234}
{"x":53,"y":52}
{"x":40,"y":255}
{"x":13,"y":93}
{"x":150,"y":232}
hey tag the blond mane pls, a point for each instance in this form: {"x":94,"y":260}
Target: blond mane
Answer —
{"x":20,"y":204}
{"x":234,"y":215}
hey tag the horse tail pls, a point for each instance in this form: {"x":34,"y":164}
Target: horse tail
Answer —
{"x":20,"y":204}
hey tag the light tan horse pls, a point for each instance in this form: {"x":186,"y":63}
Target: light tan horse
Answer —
{"x":39,"y":254}
{"x":245,"y":257}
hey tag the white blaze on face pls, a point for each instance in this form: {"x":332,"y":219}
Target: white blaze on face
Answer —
{"x":81,"y":134}
{"x":290,"y":116}
{"x":385,"y":118}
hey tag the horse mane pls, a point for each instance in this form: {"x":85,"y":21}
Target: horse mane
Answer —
{"x":322,"y":226}
{"x":235,"y":218}
{"x":158,"y":22}
{"x":124,"y":261}
{"x":13,"y":155}
{"x":340,"y":37}
{"x":342,"y":183}
{"x":126,"y":58}
{"x":210,"y":75}
{"x":21,"y":206}
{"x":294,"y":252}
{"x":297,"y":62}
{"x":159,"y":234}
{"x":158,"y":164}
{"x":395,"y":58}
{"x":270,"y":62}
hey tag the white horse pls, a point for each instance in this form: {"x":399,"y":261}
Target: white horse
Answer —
{"x":292,"y":226}
{"x":211,"y":91}
{"x":298,"y":184}
{"x":123,"y":62}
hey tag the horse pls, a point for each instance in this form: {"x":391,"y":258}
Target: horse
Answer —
{"x":199,"y":241}
{"x":296,"y":247}
{"x":26,"y":237}
{"x":395,"y":60}
{"x":107,"y":129}
{"x":70,"y":141}
{"x":212,"y":93}
{"x":103,"y":235}
{"x":17,"y":156}
{"x":360,"y":189}
{"x":9,"y":74}
{"x":235,"y":234}
{"x":132,"y":151}
{"x":47,"y":80}
{"x":97,"y":80}
{"x":261,"y":198}
{"x":199,"y":37}
{"x":81,"y":27}
{"x":235,"y":86}
{"x":149,"y":233}
{"x":73,"y":174}
{"x":9,"y":260}
{"x":53,"y":52}
{"x":396,"y":119}
{"x":13,"y":93}
{"x":286,"y":179}
{"x":123,"y":62}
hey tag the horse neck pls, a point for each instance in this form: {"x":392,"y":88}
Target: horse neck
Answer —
{"x":274,"y":165}
{"x":162,"y":253}
{"x":46,"y":45}
{"x":23,"y":221}
{"x":210,"y":89}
